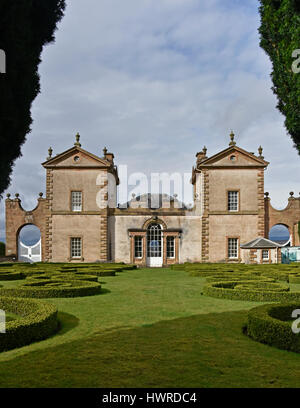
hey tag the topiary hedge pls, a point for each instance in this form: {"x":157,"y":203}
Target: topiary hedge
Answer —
{"x":294,"y":279}
{"x":235,"y":276}
{"x":269,"y":324}
{"x":6,"y":275}
{"x":250,"y":291}
{"x":64,"y":276}
{"x":37,"y":322}
{"x":50,"y":288}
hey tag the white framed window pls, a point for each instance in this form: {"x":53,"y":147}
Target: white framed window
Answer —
{"x":265,"y":254}
{"x":76,"y":201}
{"x":170,"y":247}
{"x":138,"y":247}
{"x":233,"y":200}
{"x":76,"y":248}
{"x":233,"y":248}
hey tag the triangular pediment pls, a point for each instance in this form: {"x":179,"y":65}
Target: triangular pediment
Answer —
{"x":76,"y":157}
{"x":234,"y":156}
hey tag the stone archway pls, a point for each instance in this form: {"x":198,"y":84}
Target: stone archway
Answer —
{"x":17,"y":218}
{"x":280,"y":233}
{"x":29,"y":244}
{"x":289,"y":216}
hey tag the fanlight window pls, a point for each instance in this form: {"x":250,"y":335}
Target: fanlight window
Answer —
{"x":154,"y":238}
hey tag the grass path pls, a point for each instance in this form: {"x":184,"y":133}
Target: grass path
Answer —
{"x":151,"y":328}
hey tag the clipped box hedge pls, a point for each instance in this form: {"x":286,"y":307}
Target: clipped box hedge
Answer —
{"x":235,"y":276}
{"x":88,"y":271}
{"x":268,"y":324}
{"x":294,"y":279}
{"x":226,"y":290}
{"x":38,"y":321}
{"x":50,"y":288}
{"x":63,"y":276}
{"x":7,"y":275}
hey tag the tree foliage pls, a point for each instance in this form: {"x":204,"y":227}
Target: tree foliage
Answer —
{"x":280,"y":37}
{"x":2,"y":249}
{"x":25,"y":27}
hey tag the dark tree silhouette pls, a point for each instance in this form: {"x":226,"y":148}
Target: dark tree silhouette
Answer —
{"x":25,"y":27}
{"x":280,"y":37}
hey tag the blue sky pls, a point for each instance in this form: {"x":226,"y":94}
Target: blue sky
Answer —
{"x":155,"y":81}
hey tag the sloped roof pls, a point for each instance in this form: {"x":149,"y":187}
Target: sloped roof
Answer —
{"x":53,"y":161}
{"x":258,"y":161}
{"x":261,"y":243}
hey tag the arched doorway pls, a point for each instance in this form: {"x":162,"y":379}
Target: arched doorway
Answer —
{"x":280,"y":233}
{"x":154,"y":246}
{"x":29,"y":244}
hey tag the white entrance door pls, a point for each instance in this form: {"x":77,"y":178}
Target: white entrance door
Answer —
{"x":30,"y":253}
{"x":154,"y":246}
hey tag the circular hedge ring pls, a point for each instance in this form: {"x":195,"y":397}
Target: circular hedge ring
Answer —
{"x":251,"y":291}
{"x":37,"y":322}
{"x":234,"y":277}
{"x":272,"y":325}
{"x":50,"y":288}
{"x":63,"y":276}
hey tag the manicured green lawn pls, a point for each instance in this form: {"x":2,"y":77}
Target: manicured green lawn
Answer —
{"x":150,"y":328}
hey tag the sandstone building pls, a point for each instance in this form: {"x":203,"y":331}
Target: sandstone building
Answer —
{"x":80,"y":221}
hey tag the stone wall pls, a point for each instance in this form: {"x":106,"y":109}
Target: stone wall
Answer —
{"x":17,"y":217}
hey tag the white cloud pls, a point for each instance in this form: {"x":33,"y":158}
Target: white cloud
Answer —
{"x":154,"y":81}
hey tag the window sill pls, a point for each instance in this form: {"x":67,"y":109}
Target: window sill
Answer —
{"x":81,"y":258}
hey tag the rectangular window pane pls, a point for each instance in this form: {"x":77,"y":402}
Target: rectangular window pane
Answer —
{"x":76,"y":248}
{"x":170,"y":247}
{"x":233,"y":200}
{"x":76,"y":201}
{"x":265,"y":254}
{"x":138,"y":247}
{"x":232,"y":247}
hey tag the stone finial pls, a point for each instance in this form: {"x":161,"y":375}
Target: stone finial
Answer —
{"x":8,"y":195}
{"x":260,"y":150}
{"x":41,"y":195}
{"x":50,"y":151}
{"x":133,"y":196}
{"x":291,"y":193}
{"x":266,"y":194}
{"x":105,"y":151}
{"x":77,"y":137}
{"x":17,"y":195}
{"x":201,"y":156}
{"x":232,"y":141}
